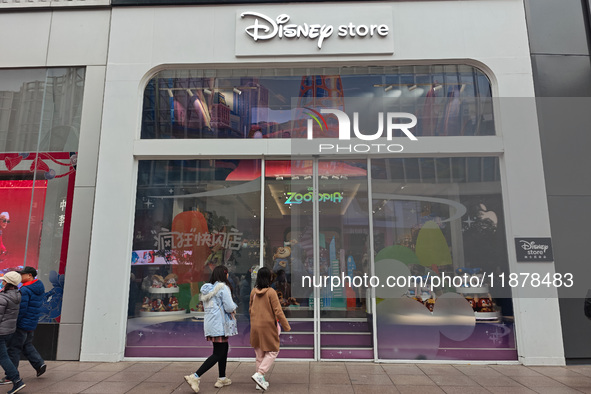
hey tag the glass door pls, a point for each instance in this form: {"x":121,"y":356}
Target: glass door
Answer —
{"x":316,"y":235}
{"x":345,"y":328}
{"x":289,"y":249}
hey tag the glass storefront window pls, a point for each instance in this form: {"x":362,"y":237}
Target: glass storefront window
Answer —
{"x":435,"y":219}
{"x":448,"y":100}
{"x":422,"y":216}
{"x":432,"y":218}
{"x":40,"y":111}
{"x":191,"y":216}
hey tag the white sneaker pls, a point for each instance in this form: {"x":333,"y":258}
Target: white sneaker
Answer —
{"x":266,"y":384}
{"x":259,"y":379}
{"x":193,"y":382}
{"x":222,"y":382}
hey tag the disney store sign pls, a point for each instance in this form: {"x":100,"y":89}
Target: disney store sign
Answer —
{"x":317,"y":30}
{"x":267,"y":28}
{"x":533,"y":249}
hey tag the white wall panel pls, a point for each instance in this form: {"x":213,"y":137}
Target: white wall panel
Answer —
{"x":25,"y":38}
{"x":79,"y":38}
{"x":132,"y":25}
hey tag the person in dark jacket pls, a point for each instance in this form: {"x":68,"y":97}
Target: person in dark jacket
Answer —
{"x":10,"y":299}
{"x":32,"y":292}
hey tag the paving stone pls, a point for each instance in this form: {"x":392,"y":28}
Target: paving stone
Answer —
{"x":65,"y":387}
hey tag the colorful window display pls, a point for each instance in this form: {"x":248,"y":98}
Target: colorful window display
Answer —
{"x":190,"y":217}
{"x":448,"y":100}
{"x":421,"y":228}
{"x":436,"y":219}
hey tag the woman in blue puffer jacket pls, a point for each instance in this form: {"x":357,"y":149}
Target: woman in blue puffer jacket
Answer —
{"x":219,"y":323}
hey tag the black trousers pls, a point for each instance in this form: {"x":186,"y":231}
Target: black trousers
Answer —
{"x":219,"y":356}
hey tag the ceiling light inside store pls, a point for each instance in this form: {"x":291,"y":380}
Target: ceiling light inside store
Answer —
{"x":349,"y":192}
{"x":237,"y":91}
{"x":207,"y":91}
{"x":394,"y":93}
{"x":415,"y":92}
{"x":277,"y":192}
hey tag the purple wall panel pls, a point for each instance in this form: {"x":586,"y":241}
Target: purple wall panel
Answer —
{"x":345,"y":340}
{"x":335,"y":354}
{"x":289,"y":339}
{"x":343,"y":326}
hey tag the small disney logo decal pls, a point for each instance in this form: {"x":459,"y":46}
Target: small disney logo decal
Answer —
{"x":533,"y":249}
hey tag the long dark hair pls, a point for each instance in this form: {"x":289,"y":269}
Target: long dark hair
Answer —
{"x":263,"y":278}
{"x":220,"y":274}
{"x":9,"y":286}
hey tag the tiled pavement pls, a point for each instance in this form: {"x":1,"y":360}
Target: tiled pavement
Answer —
{"x":307,"y":377}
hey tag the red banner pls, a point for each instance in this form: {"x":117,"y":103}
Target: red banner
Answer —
{"x":15,"y":200}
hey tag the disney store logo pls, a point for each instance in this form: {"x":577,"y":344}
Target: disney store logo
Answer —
{"x":534,"y":249}
{"x":266,"y":28}
{"x":531,"y":245}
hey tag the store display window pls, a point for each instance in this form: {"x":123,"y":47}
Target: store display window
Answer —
{"x":435,"y":218}
{"x":40,"y":112}
{"x":191,"y":216}
{"x":432,"y":218}
{"x":448,"y":100}
{"x":308,"y":218}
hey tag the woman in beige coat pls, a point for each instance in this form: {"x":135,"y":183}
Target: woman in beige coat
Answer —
{"x":265,"y":316}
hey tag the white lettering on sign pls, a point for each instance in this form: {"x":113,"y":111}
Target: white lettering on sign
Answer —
{"x":266,"y":28}
{"x":392,"y":123}
{"x":345,"y":125}
{"x":533,"y":248}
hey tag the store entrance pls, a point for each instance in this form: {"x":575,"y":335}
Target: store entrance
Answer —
{"x":316,"y":235}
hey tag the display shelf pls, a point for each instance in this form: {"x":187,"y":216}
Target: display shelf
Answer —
{"x":472,"y":290}
{"x":487,"y":316}
{"x":163,"y":290}
{"x":163,"y":313}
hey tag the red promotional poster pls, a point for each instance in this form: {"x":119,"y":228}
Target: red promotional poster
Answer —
{"x":15,"y":206}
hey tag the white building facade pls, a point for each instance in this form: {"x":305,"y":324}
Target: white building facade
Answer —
{"x":194,"y":126}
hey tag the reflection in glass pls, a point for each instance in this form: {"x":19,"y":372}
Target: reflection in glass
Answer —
{"x":448,"y":100}
{"x":344,"y":255}
{"x":40,"y":109}
{"x":435,"y":219}
{"x":288,"y":236}
{"x":191,"y":216}
{"x":40,"y":113}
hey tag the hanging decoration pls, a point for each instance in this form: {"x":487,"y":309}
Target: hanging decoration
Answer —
{"x":43,"y":162}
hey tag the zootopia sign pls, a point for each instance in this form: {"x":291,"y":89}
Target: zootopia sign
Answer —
{"x":298,"y":198}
